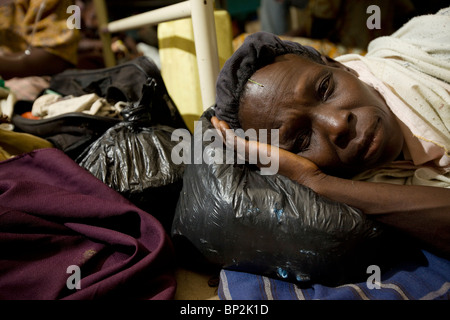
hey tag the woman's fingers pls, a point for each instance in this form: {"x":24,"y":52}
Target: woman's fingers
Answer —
{"x":252,"y":151}
{"x":245,"y":149}
{"x":264,"y":155}
{"x":227,"y":134}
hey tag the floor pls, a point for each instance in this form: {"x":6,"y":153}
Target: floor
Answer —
{"x":196,"y":285}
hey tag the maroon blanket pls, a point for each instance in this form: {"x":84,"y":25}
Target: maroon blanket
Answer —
{"x":58,"y":224}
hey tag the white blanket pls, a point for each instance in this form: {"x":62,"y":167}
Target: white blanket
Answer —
{"x":411,"y":69}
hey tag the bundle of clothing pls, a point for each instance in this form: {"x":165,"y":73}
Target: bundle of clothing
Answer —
{"x":93,"y":228}
{"x":66,"y":235}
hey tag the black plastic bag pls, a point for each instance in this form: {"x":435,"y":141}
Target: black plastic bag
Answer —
{"x":121,"y":83}
{"x":73,"y":132}
{"x":233,"y":217}
{"x":133,"y":158}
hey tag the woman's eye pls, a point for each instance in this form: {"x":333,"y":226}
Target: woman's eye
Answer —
{"x":323,"y":88}
{"x":303,"y":142}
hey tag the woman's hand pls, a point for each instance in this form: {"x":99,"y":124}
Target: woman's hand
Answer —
{"x":289,"y":164}
{"x":420,"y":211}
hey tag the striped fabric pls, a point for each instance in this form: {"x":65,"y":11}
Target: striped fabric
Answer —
{"x":413,"y":282}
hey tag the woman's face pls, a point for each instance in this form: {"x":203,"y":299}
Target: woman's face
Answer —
{"x":324,"y":113}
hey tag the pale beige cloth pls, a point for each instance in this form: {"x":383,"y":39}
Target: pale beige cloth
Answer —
{"x":411,"y":70}
{"x":51,"y":105}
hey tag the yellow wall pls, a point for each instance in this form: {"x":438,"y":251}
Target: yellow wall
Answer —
{"x":179,"y":63}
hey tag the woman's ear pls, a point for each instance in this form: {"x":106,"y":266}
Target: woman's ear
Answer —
{"x":336,"y":64}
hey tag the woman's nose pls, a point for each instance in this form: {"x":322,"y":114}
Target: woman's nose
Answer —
{"x":338,"y":126}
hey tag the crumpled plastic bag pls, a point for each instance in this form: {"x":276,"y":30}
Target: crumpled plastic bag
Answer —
{"x":231,"y":216}
{"x":133,"y":158}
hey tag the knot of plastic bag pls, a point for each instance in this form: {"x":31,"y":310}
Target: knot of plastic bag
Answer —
{"x":138,"y":115}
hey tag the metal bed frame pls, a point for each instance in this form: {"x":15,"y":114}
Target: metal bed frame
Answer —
{"x":202,"y":14}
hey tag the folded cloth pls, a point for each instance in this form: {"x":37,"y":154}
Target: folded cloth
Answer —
{"x":55,"y":217}
{"x":411,"y":70}
{"x":28,"y":88}
{"x":52,"y":105}
{"x":7,"y":101}
{"x":14,"y":143}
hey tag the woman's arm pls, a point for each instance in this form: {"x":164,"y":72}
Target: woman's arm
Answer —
{"x":420,"y":211}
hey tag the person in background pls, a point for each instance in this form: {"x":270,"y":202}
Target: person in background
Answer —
{"x":339,"y":21}
{"x":35,"y":39}
{"x":274,"y":14}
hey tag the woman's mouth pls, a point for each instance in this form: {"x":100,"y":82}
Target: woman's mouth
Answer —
{"x":370,"y":144}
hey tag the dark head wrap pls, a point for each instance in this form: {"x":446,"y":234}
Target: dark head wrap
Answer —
{"x":257,"y":51}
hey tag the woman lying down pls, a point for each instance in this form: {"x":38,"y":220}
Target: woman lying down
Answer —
{"x":372,"y":132}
